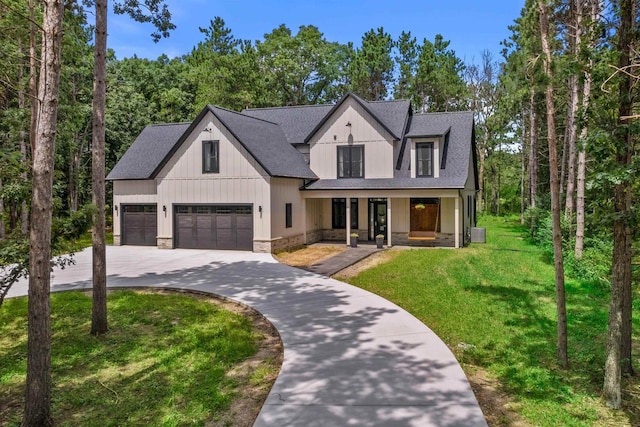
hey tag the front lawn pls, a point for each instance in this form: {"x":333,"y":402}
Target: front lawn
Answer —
{"x":168,"y":359}
{"x":494,"y":305}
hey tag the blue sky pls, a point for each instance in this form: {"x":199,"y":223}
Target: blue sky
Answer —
{"x":471,"y":25}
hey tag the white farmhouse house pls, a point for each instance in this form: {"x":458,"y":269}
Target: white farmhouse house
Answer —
{"x":269,"y":179}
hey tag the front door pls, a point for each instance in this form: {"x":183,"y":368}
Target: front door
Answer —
{"x":377,"y":218}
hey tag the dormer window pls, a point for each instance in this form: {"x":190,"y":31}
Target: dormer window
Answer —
{"x":210,"y":156}
{"x":351,"y":161}
{"x":424,"y":159}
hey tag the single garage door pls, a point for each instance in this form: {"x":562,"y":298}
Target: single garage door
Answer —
{"x":214,"y":227}
{"x":139,"y":225}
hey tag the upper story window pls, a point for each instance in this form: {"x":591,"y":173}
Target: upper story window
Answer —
{"x":211,"y":156}
{"x":424,"y":159}
{"x":351,"y":161}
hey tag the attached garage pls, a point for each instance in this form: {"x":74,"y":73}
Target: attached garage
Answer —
{"x":139,"y":225}
{"x":214,"y":227}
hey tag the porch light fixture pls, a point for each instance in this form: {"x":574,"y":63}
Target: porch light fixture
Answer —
{"x":164,"y":208}
{"x":116,"y":209}
{"x":348,"y":124}
{"x":260,"y":208}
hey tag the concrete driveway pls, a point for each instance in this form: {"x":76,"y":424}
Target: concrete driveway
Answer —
{"x":350,"y":357}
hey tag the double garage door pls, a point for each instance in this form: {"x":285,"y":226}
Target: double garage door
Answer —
{"x":214,"y":227}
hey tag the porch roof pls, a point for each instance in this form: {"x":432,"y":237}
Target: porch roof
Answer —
{"x":385,"y":184}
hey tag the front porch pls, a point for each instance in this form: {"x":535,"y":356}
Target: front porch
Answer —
{"x":424,"y":218}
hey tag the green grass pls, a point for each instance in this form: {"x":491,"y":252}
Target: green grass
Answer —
{"x":163,"y":362}
{"x":499,"y":299}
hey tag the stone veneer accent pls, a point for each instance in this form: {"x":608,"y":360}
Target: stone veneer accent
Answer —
{"x":165,"y":242}
{"x":313,"y":236}
{"x":116,"y":240}
{"x":279,"y":244}
{"x":340,"y":235}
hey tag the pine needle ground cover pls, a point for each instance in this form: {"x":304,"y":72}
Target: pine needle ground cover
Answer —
{"x":494,"y":305}
{"x":165,"y":361}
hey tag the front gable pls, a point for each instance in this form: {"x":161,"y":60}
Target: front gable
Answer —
{"x":186,"y":162}
{"x":351,"y":123}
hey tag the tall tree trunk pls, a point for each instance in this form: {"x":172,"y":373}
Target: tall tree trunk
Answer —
{"x":571,"y":134}
{"x":621,"y":250}
{"x":555,"y":189}
{"x":533,"y":149}
{"x":582,"y":154}
{"x":33,"y":76}
{"x":572,"y":110}
{"x":38,"y":384}
{"x":99,"y":309}
{"x":482,"y":157}
{"x":523,"y":173}
{"x":24,"y":213}
{"x":626,"y":346}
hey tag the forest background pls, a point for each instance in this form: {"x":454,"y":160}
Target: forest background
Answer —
{"x":556,"y":117}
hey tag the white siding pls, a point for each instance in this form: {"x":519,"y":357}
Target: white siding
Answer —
{"x":314,"y":214}
{"x":400,"y":215}
{"x":241,"y":179}
{"x":364,"y":130}
{"x":131,"y":192}
{"x":283,"y":191}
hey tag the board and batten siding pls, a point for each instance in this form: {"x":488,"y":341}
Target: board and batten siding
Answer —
{"x":283,"y":191}
{"x":134,"y":192}
{"x":241,"y":180}
{"x":364,"y":130}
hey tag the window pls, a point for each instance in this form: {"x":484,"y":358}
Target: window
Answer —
{"x":210,"y":156}
{"x":424,"y":159}
{"x":288,"y":217}
{"x":339,"y":213}
{"x":351,"y":161}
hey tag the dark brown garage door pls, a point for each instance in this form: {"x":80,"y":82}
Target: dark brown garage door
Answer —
{"x":214,"y":227}
{"x":139,"y":225}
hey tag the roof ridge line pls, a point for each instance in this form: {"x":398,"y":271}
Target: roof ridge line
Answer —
{"x":243,"y":115}
{"x":282,"y":107}
{"x":432,"y":113}
{"x":168,"y":124}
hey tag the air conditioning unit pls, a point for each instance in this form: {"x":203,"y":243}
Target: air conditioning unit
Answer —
{"x":478,"y":235}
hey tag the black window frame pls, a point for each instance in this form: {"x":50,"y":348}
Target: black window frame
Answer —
{"x":419,"y":147}
{"x":288,"y":215}
{"x":214,"y":156}
{"x":348,"y":161}
{"x":339,"y":207}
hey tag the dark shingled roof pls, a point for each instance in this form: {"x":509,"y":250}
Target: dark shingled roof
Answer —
{"x":268,"y":134}
{"x":454,"y":175}
{"x":149,"y":149}
{"x":264,"y":140}
{"x":393,"y":114}
{"x":296,"y":122}
{"x":382,"y":108}
{"x":267,"y":143}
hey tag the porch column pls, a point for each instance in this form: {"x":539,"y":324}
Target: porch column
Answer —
{"x":456,"y":228}
{"x":348,"y":220}
{"x":389,"y":221}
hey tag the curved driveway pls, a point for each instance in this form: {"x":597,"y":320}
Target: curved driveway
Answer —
{"x":350,"y":357}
